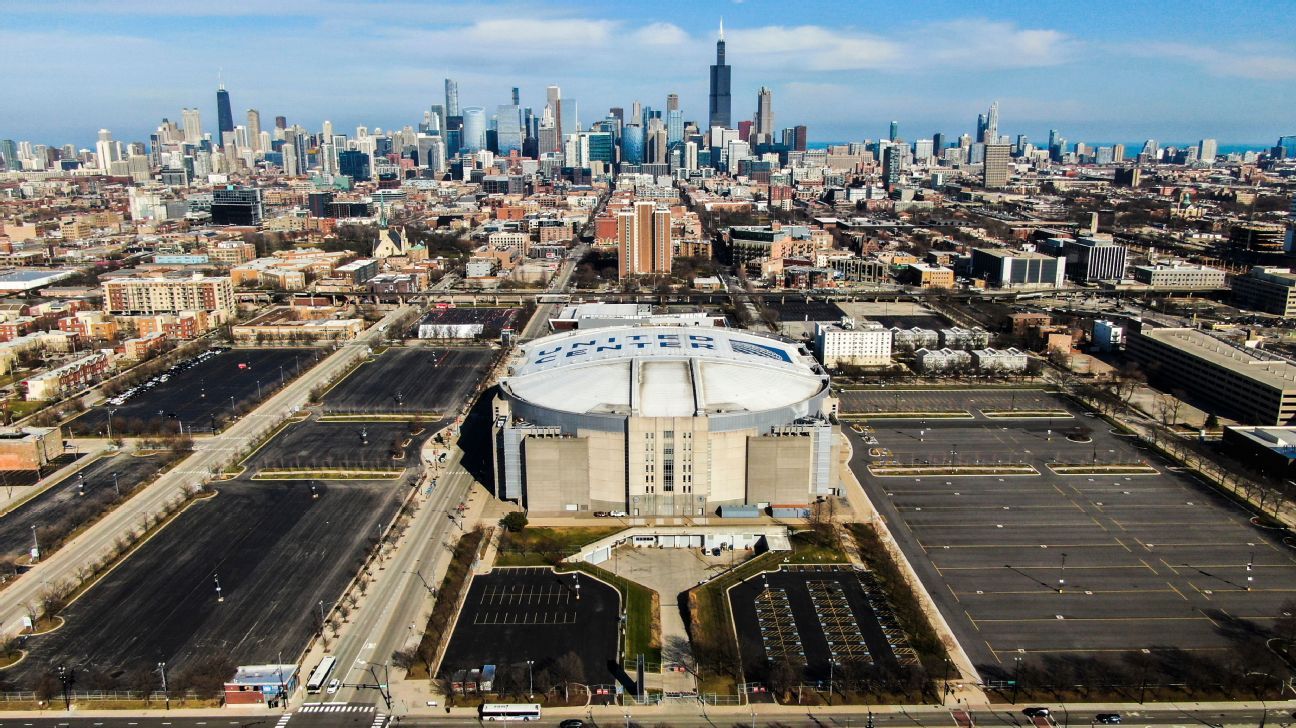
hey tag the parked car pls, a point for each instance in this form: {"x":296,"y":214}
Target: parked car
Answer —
{"x":618,"y":514}
{"x":601,"y":514}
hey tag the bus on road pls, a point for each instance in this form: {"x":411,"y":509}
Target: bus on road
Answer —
{"x":319,"y":678}
{"x":510,"y":711}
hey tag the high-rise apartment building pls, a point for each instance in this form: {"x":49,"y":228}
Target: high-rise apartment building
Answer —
{"x":720,"y":104}
{"x":451,"y":97}
{"x":1207,"y":150}
{"x":644,"y":240}
{"x":994,"y":173}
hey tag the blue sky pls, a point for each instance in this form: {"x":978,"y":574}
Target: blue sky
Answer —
{"x":1097,"y":71}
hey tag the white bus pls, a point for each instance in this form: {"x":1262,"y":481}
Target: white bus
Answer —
{"x":510,"y":711}
{"x":319,"y":678}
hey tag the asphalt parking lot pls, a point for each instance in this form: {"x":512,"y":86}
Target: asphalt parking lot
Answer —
{"x":414,"y":379}
{"x":62,"y":507}
{"x":1063,"y":565}
{"x":811,"y":616}
{"x":512,"y":615}
{"x":277,"y":553}
{"x":199,"y":396}
{"x":347,"y":445}
{"x":880,"y":401}
{"x":798,"y":309}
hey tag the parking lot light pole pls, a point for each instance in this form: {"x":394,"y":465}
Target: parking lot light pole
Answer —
{"x":219,"y":596}
{"x":165,"y":695}
{"x":35,"y":545}
{"x":1062,"y":576}
{"x":111,"y":412}
{"x":530,"y":680}
{"x":116,"y":485}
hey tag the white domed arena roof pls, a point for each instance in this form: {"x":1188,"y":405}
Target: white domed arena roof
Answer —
{"x":662,"y":371}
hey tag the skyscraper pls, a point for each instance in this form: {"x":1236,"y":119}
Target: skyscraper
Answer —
{"x":192,"y":125}
{"x":517,"y":97}
{"x":106,"y":150}
{"x":474,"y":128}
{"x":1207,"y":150}
{"x":508,"y":134}
{"x":720,"y":102}
{"x":632,"y":143}
{"x":891,"y":167}
{"x":992,"y":125}
{"x":764,"y":116}
{"x":224,"y":115}
{"x":672,"y":102}
{"x":553,"y":98}
{"x":254,"y":129}
{"x":895,"y":131}
{"x":994,"y":173}
{"x":451,"y":97}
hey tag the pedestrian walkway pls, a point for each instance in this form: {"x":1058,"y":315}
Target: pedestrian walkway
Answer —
{"x":334,"y":708}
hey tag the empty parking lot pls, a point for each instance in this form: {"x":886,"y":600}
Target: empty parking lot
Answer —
{"x":1082,"y":564}
{"x":512,"y":615}
{"x":411,"y":380}
{"x":813,"y":616}
{"x":277,"y":553}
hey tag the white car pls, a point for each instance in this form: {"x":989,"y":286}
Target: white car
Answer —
{"x":618,"y":514}
{"x":334,"y":685}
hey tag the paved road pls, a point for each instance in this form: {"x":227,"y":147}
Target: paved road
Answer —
{"x":358,"y":716}
{"x":212,"y":455}
{"x":395,"y":601}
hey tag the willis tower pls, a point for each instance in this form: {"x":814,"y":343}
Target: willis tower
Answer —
{"x":720,"y":105}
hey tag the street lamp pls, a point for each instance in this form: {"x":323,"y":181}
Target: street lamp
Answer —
{"x":116,"y":485}
{"x":530,"y":680}
{"x":66,"y":677}
{"x":161,"y":666}
{"x":112,"y":411}
{"x":35,"y":554}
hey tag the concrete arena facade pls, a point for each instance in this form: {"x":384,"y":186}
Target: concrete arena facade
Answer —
{"x":663,"y":421}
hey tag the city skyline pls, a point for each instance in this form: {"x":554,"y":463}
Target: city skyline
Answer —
{"x":845,"y":72}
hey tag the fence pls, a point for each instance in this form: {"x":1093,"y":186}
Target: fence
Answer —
{"x":82,"y":696}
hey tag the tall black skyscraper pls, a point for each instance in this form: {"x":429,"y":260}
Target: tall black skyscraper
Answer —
{"x":721,"y":104}
{"x":224,"y":116}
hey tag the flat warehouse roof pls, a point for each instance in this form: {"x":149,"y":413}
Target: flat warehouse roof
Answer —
{"x":1277,"y":373}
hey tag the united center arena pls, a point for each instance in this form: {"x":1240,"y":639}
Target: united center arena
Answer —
{"x":663,"y":421}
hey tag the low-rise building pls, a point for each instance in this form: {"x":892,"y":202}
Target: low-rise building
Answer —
{"x":29,"y":448}
{"x":1004,"y":361}
{"x":67,"y":378}
{"x":908,"y":340}
{"x":1003,"y":268}
{"x":1247,"y":385}
{"x":867,"y":343}
{"x":168,"y":294}
{"x":926,"y":275}
{"x":297,"y":325}
{"x":1180,"y":275}
{"x":961,"y":338}
{"x":934,"y":361}
{"x":1272,"y":290}
{"x":1271,"y":450}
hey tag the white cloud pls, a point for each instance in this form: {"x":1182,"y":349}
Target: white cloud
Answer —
{"x":661,"y":34}
{"x":1241,"y":62}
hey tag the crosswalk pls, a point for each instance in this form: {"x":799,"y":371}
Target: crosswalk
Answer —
{"x":336,"y":708}
{"x":379,"y":721}
{"x":283,"y":720}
